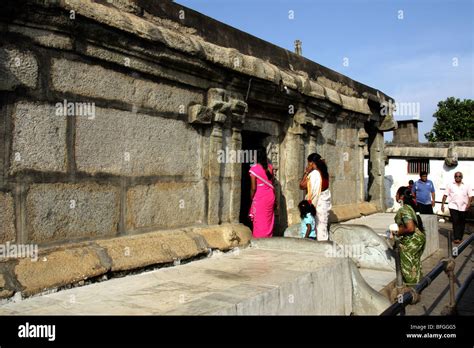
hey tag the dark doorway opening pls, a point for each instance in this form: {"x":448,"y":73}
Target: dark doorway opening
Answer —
{"x":250,"y":141}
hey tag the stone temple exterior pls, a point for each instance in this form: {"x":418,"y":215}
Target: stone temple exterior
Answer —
{"x":113,"y":114}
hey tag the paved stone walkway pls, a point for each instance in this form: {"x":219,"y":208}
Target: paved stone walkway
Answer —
{"x":435,"y":297}
{"x":247,"y":281}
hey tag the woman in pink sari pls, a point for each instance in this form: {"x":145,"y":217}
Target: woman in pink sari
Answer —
{"x":262,"y":194}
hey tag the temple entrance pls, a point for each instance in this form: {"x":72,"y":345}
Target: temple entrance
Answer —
{"x":250,"y":141}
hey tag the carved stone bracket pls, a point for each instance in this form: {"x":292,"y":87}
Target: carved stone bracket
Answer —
{"x":451,"y":159}
{"x":200,"y":114}
{"x":387,"y":122}
{"x":304,"y":122}
{"x":363,"y":136}
{"x":221,"y":106}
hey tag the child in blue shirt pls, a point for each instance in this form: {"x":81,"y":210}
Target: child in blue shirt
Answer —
{"x":308,"y":225}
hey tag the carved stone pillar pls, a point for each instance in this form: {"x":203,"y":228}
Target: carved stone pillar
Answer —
{"x":236,"y":177}
{"x":291,"y":167}
{"x":292,"y":163}
{"x":223,"y":109}
{"x":238,"y":110}
{"x":376,"y":168}
{"x":377,"y":157}
{"x":214,"y":170}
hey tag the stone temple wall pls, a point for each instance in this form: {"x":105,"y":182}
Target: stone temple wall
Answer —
{"x":132,"y":165}
{"x":114,"y":112}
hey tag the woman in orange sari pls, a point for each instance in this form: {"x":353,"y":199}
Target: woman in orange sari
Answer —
{"x":262,"y":194}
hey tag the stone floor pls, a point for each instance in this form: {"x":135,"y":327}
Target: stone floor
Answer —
{"x":246,"y":281}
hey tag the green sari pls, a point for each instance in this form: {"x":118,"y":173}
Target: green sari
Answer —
{"x":411,"y":246}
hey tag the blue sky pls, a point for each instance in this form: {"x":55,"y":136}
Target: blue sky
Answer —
{"x":416,"y":51}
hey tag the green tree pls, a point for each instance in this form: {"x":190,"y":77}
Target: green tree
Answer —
{"x":454,"y":121}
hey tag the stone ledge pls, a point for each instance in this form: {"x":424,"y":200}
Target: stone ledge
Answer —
{"x":425,"y":151}
{"x":346,"y":212}
{"x":4,"y":293}
{"x":142,"y":250}
{"x":43,"y":37}
{"x":58,"y":268}
{"x":195,"y":46}
{"x":225,"y":237}
{"x":343,"y":212}
{"x":68,"y":264}
{"x":367,"y":208}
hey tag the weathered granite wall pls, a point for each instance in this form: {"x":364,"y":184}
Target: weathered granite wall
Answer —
{"x":114,"y":112}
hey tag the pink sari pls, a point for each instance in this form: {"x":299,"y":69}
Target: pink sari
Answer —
{"x":261,"y":210}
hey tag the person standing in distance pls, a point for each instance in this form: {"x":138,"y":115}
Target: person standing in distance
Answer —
{"x":411,"y":183}
{"x":424,"y":193}
{"x":460,"y":198}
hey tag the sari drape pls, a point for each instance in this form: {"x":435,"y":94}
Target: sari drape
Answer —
{"x":411,"y":246}
{"x":261,"y":210}
{"x":322,"y":203}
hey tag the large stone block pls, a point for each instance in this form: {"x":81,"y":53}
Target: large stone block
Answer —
{"x":125,"y":143}
{"x":39,"y":138}
{"x":7,"y":218}
{"x":68,"y":211}
{"x":225,"y":236}
{"x":17,"y":68}
{"x":94,"y":81}
{"x":366,"y":208}
{"x":343,"y":212}
{"x":343,"y":191}
{"x":151,"y":248}
{"x":355,"y":104}
{"x":145,"y":65}
{"x":43,"y":37}
{"x":58,"y":268}
{"x":165,"y":205}
{"x":4,"y":291}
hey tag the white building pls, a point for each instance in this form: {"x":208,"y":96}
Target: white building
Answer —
{"x":405,"y":160}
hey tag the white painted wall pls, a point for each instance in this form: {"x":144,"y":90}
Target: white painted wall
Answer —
{"x":396,"y":176}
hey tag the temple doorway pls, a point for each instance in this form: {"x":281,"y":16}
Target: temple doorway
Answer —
{"x":250,"y":141}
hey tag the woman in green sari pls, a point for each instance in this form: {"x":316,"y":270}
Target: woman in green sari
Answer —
{"x":411,"y":237}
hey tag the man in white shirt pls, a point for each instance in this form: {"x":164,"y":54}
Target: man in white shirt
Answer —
{"x":460,"y":197}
